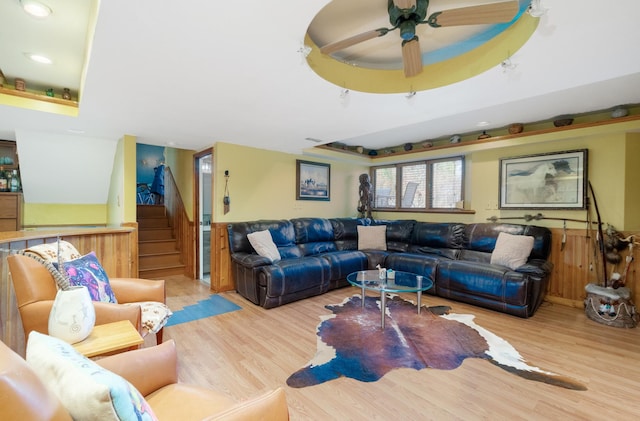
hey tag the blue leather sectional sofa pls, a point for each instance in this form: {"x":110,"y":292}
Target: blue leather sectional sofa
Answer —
{"x":317,"y":254}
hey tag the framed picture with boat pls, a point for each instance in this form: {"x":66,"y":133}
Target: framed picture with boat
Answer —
{"x":313,"y":180}
{"x":556,"y":180}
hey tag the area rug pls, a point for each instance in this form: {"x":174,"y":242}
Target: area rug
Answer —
{"x":212,"y":306}
{"x":352,"y":344}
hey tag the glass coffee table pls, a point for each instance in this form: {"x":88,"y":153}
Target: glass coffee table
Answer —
{"x":400,"y":282}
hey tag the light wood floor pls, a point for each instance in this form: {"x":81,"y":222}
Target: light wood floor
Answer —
{"x":246,"y":352}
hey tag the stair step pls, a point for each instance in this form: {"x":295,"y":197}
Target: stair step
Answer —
{"x":155,"y":222}
{"x":150,"y":211}
{"x":155,"y":234}
{"x":156,"y":246}
{"x":160,"y":272}
{"x":148,"y":261}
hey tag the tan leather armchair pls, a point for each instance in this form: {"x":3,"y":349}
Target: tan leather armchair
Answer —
{"x":153,"y":371}
{"x":36,"y":289}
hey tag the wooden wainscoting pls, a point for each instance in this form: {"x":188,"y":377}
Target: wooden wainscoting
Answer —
{"x":576,"y":265}
{"x":116,"y":249}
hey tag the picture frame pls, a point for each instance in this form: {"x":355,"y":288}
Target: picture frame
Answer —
{"x":554,"y":180}
{"x":313,"y":180}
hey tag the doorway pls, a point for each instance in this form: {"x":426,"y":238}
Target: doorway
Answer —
{"x":203,"y":165}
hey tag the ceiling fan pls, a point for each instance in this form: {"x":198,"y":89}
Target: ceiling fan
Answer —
{"x":405,"y":15}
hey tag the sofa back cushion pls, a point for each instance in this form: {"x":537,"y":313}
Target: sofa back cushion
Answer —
{"x":313,"y":235}
{"x":345,"y":231}
{"x":398,"y":233}
{"x":281,"y":230}
{"x":438,"y":235}
{"x":482,"y":237}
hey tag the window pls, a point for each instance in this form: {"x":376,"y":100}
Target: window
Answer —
{"x":423,"y":185}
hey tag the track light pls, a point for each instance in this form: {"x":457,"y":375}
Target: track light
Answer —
{"x":410,"y":94}
{"x":535,"y":9}
{"x":508,"y":65}
{"x":344,"y":93}
{"x":305,"y":50}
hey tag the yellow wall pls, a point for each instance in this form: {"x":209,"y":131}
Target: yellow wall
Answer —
{"x":632,"y":183}
{"x":121,"y":204}
{"x":262,"y":186}
{"x":52,"y":214}
{"x":612,"y":169}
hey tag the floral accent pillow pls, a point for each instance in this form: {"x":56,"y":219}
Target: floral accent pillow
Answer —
{"x":88,"y":271}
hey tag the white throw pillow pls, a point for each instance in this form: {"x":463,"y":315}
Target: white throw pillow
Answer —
{"x":512,"y":250}
{"x":86,"y":390}
{"x":263,"y":244}
{"x":372,"y":238}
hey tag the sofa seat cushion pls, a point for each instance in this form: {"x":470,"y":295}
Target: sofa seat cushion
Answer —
{"x":293,"y":275}
{"x":345,"y":262}
{"x":483,"y":280}
{"x":419,"y":264}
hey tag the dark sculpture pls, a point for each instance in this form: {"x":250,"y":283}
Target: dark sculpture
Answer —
{"x":366,"y":197}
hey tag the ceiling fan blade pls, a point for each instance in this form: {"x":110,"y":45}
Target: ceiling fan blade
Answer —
{"x":411,"y":57}
{"x":356,"y":39}
{"x":475,"y":15}
{"x":404,"y":4}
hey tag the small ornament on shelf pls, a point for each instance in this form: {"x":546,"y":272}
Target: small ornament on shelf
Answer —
{"x":20,"y":85}
{"x":66,"y":94}
{"x":50,"y":92}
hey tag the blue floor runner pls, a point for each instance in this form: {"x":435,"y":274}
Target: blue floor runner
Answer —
{"x":212,"y":306}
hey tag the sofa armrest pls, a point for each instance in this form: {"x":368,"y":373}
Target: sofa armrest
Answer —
{"x":133,"y":290}
{"x":250,"y":260}
{"x":537,"y":267}
{"x":271,"y":406}
{"x":147,"y":369}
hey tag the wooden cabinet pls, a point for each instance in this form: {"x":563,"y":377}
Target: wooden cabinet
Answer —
{"x":221,"y":279}
{"x":10,"y":211}
{"x":8,"y":155}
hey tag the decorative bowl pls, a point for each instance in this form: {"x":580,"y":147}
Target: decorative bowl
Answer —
{"x":516,"y":128}
{"x":563,"y":121}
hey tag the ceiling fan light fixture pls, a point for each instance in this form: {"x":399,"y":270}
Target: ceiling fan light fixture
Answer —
{"x":407,"y":30}
{"x":35,"y":8}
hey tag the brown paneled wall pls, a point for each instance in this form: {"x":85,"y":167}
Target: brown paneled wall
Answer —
{"x":577,"y":264}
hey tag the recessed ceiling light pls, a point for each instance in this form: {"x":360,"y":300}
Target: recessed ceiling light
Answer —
{"x":39,"y":58}
{"x":35,"y":8}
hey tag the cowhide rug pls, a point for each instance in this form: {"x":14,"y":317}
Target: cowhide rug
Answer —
{"x":352,"y":344}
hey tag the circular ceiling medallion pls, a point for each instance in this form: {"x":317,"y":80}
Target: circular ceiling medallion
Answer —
{"x":448,"y":54}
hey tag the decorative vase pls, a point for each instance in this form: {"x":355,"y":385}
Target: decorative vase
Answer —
{"x":72,"y":316}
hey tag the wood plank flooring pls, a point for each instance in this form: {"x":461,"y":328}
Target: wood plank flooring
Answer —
{"x":246,"y":352}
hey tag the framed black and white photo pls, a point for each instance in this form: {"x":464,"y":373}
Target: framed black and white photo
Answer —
{"x":313,"y":180}
{"x":556,"y":180}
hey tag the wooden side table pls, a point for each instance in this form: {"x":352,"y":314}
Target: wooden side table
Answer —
{"x":109,"y":337}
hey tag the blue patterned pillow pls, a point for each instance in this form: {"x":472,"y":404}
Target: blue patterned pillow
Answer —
{"x":86,"y":390}
{"x":88,"y":271}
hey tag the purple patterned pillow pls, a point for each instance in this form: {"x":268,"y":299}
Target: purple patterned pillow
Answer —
{"x":87,"y":271}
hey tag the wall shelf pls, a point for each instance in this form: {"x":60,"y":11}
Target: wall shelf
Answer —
{"x":38,"y":97}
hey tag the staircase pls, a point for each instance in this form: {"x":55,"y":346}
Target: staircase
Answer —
{"x":158,"y":254}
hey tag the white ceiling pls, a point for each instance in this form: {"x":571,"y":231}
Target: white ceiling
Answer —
{"x":191,"y":73}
